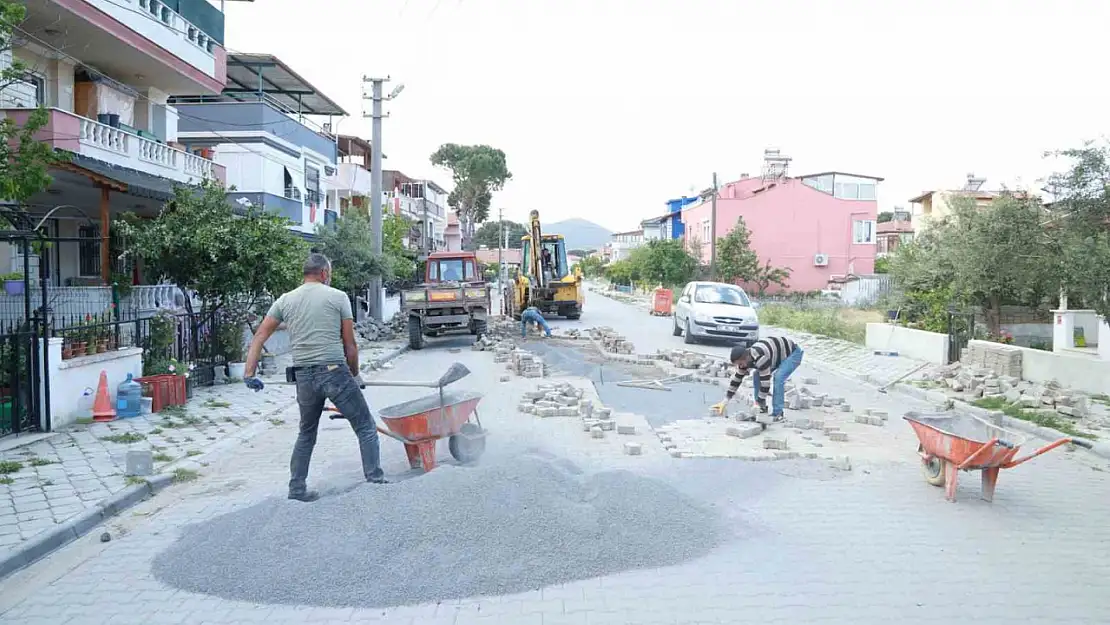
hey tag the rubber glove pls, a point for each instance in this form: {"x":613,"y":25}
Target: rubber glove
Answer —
{"x":254,"y":384}
{"x":719,"y":408}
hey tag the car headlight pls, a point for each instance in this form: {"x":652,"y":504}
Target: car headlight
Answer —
{"x":702,"y":318}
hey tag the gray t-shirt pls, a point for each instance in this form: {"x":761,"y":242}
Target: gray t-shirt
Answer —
{"x":313,"y":313}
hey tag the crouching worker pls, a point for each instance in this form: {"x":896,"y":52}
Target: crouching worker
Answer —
{"x":775,"y":357}
{"x":534,"y":316}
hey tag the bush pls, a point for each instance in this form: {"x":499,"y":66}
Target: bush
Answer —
{"x":823,"y":321}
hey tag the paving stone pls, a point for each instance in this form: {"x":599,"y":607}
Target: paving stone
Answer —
{"x":775,"y":442}
{"x":633,"y":449}
{"x":746,"y":430}
{"x":840,"y":437}
{"x":626,"y":429}
{"x":597,"y":432}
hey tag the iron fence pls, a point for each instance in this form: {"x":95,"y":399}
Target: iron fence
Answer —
{"x":21,"y":366}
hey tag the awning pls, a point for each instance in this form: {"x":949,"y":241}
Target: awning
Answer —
{"x":132,"y":181}
{"x":251,"y":74}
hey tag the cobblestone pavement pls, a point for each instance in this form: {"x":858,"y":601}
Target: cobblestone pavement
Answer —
{"x":651,"y":333}
{"x":809,"y":544}
{"x":63,"y":474}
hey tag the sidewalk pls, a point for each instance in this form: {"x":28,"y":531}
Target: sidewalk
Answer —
{"x":55,"y":478}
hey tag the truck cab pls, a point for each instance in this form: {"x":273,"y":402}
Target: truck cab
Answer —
{"x":453,"y":297}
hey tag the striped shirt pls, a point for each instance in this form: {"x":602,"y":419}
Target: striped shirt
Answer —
{"x":767,"y":354}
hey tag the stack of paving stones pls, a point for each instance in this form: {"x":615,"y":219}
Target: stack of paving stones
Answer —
{"x":972,"y":382}
{"x":710,"y":370}
{"x":1000,"y":359}
{"x":373,"y":330}
{"x":565,"y":400}
{"x":611,"y":341}
{"x":518,"y":361}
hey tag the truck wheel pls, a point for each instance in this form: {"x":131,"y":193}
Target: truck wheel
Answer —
{"x":478,"y":328}
{"x":416,"y":333}
{"x":574,"y":316}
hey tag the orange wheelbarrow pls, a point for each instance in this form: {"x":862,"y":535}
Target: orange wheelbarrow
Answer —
{"x":419,"y":424}
{"x":953,"y":443}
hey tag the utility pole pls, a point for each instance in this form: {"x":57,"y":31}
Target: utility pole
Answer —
{"x":427,"y":237}
{"x":376,"y":116}
{"x":713,"y":232}
{"x":500,"y":235}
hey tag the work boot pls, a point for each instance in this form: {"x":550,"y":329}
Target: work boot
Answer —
{"x":309,"y":495}
{"x":378,"y":480}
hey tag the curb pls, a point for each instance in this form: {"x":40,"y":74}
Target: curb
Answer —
{"x":1098,"y":448}
{"x":44,"y":543}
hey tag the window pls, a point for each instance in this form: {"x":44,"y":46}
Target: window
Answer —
{"x":863,"y":231}
{"x":312,"y":185}
{"x":713,"y":294}
{"x":88,"y":251}
{"x":867,"y":192}
{"x":706,"y":231}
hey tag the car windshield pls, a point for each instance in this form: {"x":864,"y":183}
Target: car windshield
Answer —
{"x":720,"y":294}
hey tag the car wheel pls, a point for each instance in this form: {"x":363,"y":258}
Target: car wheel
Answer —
{"x":675,"y":330}
{"x":689,"y":336}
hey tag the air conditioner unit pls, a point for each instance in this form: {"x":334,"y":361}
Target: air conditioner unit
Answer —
{"x":820,"y":260}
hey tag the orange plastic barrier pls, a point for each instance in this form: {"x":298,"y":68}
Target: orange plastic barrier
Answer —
{"x":662,"y":304}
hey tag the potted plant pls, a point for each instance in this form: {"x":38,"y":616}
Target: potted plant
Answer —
{"x":67,"y":349}
{"x":14,"y":284}
{"x":230,"y":339}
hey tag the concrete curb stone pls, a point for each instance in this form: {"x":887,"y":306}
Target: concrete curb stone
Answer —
{"x":44,"y":543}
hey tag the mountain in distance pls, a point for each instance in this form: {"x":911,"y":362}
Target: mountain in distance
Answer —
{"x":580,"y":234}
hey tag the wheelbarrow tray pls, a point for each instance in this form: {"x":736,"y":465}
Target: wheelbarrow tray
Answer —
{"x":951,"y":443}
{"x":958,"y":437}
{"x":427,"y":418}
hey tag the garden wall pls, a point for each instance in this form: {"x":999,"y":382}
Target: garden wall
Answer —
{"x":1084,"y":373}
{"x":917,"y":344}
{"x":69,"y":379}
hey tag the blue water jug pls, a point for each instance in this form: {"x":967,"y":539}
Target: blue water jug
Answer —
{"x":129,"y":398}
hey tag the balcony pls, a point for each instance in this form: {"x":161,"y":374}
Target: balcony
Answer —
{"x":144,"y":43}
{"x":210,"y":120}
{"x":350,"y":180}
{"x":67,"y":131}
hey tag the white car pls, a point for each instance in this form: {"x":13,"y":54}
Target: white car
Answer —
{"x":715,"y":310}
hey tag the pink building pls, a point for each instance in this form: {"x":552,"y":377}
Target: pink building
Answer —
{"x":452,"y":236}
{"x":821,"y":226}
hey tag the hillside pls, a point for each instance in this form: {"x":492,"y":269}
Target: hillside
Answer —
{"x":580,"y":234}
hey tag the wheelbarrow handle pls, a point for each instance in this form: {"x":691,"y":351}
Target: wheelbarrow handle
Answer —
{"x":1049,"y":447}
{"x":1082,"y":443}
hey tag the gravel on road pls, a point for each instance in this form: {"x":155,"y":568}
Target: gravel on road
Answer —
{"x":509,"y":525}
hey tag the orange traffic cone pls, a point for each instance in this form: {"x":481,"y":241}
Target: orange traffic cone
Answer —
{"x":102,"y":407}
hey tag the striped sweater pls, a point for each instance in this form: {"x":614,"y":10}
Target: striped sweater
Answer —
{"x":767,"y":354}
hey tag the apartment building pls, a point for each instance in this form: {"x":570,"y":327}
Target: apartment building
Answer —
{"x":423,"y":203}
{"x":105,"y":70}
{"x":621,"y":244}
{"x":268,"y":128}
{"x":822,"y":225}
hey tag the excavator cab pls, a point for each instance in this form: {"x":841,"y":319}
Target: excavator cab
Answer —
{"x":553,"y":257}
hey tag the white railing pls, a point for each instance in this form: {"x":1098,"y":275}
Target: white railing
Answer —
{"x":130,"y":145}
{"x":183,"y":27}
{"x":73,"y":303}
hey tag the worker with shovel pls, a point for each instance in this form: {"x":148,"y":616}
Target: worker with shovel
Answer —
{"x":775,"y":357}
{"x":325,"y":366}
{"x":534,"y":316}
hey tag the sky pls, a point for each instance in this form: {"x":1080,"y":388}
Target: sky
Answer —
{"x":607,"y":108}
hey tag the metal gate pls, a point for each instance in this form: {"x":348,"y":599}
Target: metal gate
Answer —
{"x":961,"y":327}
{"x":22,"y":383}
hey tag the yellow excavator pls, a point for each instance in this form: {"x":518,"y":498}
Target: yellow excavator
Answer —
{"x":544,"y":280}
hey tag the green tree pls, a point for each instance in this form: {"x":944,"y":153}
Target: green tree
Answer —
{"x":1077,"y":226}
{"x":399,"y":262}
{"x":592,"y":266}
{"x":885,"y":216}
{"x":736,"y":260}
{"x":478,"y":171}
{"x":24,"y":162}
{"x":622,"y":272}
{"x":232,"y":261}
{"x":347,"y":243}
{"x":664,"y":262}
{"x":490,"y":233}
{"x":766,"y":275}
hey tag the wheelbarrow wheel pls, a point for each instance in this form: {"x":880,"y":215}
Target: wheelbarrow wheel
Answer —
{"x":468,"y":445}
{"x":933,"y":469}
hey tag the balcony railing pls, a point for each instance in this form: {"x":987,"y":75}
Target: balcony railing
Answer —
{"x":173,"y":20}
{"x":293,"y":193}
{"x":124,"y":143}
{"x":312,"y":196}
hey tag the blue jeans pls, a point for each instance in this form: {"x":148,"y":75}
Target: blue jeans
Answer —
{"x":531,"y":316}
{"x":779,"y":377}
{"x":334,"y":382}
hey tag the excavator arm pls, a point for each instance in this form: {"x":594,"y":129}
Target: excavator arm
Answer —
{"x":536,"y":248}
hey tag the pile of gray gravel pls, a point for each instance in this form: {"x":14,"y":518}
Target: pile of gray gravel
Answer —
{"x":498,"y":528}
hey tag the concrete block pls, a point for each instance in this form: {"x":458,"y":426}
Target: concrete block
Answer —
{"x":547,"y":412}
{"x":633,"y":449}
{"x":811,"y":380}
{"x":626,"y":429}
{"x":586,"y":409}
{"x":880,"y":414}
{"x":604,"y":412}
{"x":841,"y":463}
{"x":839,"y":437}
{"x":785,"y":455}
{"x":869,"y":420}
{"x":607,"y":425}
{"x":845,"y":408}
{"x":596,"y":432}
{"x":775,"y":442}
{"x":506,"y":378}
{"x":140,"y":462}
{"x":589,"y":424}
{"x":747,"y":430}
